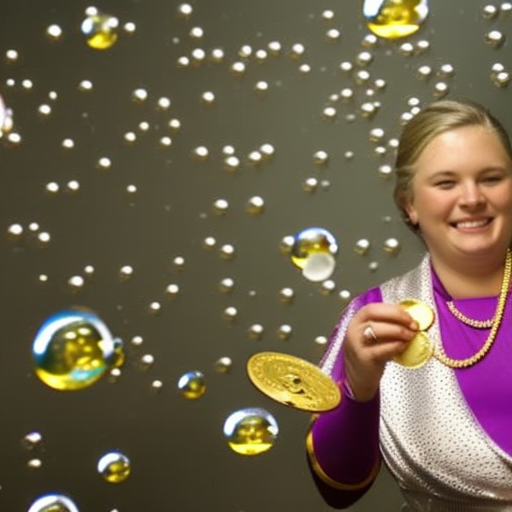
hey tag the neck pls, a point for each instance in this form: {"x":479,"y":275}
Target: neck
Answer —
{"x":474,"y":278}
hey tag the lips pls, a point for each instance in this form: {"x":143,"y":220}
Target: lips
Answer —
{"x":472,"y":223}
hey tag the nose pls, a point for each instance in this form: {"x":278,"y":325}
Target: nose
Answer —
{"x":471,"y":195}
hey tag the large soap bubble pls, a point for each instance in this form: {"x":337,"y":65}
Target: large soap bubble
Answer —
{"x":73,"y":349}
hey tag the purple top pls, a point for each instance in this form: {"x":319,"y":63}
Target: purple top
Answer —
{"x":351,"y":432}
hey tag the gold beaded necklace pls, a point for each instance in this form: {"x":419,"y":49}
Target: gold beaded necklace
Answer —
{"x":439,"y":353}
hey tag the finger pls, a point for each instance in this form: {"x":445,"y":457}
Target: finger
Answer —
{"x":384,"y":312}
{"x":384,"y":332}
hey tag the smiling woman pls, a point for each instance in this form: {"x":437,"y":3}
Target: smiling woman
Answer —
{"x":431,"y":421}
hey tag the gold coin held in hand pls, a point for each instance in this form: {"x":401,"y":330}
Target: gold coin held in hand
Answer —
{"x":419,"y":311}
{"x":419,"y":350}
{"x":293,"y":381}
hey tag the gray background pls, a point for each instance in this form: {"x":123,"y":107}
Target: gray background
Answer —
{"x":180,"y":458}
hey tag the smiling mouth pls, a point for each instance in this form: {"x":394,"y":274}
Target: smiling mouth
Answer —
{"x":472,"y":224}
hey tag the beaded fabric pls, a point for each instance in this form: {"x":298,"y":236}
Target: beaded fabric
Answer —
{"x":430,"y":440}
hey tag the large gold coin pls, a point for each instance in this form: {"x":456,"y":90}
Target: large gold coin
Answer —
{"x":293,"y":381}
{"x":418,"y":352}
{"x":420,"y":312}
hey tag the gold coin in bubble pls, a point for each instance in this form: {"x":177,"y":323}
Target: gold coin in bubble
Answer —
{"x":420,"y":312}
{"x":418,"y":352}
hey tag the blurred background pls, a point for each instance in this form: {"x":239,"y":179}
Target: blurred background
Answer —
{"x":167,"y":170}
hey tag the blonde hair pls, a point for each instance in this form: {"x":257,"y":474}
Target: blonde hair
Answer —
{"x":433,"y":120}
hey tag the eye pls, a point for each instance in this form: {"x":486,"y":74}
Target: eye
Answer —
{"x":444,"y":184}
{"x":492,"y":178}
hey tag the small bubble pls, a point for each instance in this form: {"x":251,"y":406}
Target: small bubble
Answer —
{"x":494,"y":38}
{"x":391,"y":246}
{"x":489,"y":11}
{"x":284,"y":332}
{"x":125,"y":272}
{"x":223,"y":364}
{"x":54,"y":32}
{"x":200,"y":152}
{"x":192,"y":385}
{"x":255,"y":205}
{"x":297,"y":51}
{"x":209,"y":242}
{"x":275,"y":48}
{"x":362,"y":246}
{"x":310,"y":185}
{"x":185,"y":10}
{"x":227,"y":251}
{"x":163,"y":103}
{"x":333,"y":34}
{"x":104,"y":163}
{"x":345,"y":295}
{"x":76,"y":282}
{"x":321,"y":340}
{"x":230,"y":313}
{"x":255,"y":331}
{"x":172,"y":290}
{"x":238,"y":68}
{"x":155,"y":308}
{"x":15,"y":230}
{"x":220,"y":207}
{"x":100,"y":30}
{"x":320,"y":158}
{"x":53,"y":503}
{"x":32,"y":440}
{"x":226,"y":285}
{"x":441,"y":89}
{"x":286,"y":295}
{"x":250,"y":431}
{"x":114,"y":467}
{"x":34,"y":463}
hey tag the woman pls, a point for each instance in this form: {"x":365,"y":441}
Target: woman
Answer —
{"x":443,"y":428}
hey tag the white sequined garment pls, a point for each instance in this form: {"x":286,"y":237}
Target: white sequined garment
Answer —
{"x":431,"y":442}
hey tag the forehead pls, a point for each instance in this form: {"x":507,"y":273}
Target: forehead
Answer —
{"x":467,"y":146}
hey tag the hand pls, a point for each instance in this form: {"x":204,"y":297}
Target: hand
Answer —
{"x":377,"y":333}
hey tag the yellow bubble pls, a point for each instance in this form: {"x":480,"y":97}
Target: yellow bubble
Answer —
{"x":310,"y":243}
{"x":100,"y":30}
{"x":114,"y":467}
{"x":53,"y":503}
{"x":251,"y":431}
{"x":73,"y":349}
{"x":393,"y":19}
{"x":192,"y":385}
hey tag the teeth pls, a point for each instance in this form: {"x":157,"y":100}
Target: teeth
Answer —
{"x":472,"y":224}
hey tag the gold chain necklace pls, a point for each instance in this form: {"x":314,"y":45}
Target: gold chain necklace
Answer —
{"x":439,"y":353}
{"x":477,"y":324}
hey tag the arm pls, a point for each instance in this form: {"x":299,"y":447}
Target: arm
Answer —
{"x":343,"y":444}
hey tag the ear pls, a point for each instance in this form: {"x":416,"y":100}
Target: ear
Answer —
{"x":411,"y":213}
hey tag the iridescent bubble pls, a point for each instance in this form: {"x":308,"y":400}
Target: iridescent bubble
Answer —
{"x":192,"y":385}
{"x":114,"y":467}
{"x":73,"y":349}
{"x":391,"y":19}
{"x":251,"y":431}
{"x":100,"y":30}
{"x":53,"y":503}
{"x":312,"y":249}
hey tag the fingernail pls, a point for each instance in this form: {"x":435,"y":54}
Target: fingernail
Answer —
{"x":415,"y":326}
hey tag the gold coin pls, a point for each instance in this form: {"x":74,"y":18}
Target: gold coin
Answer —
{"x":418,"y":352}
{"x":293,"y":381}
{"x":420,"y":312}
